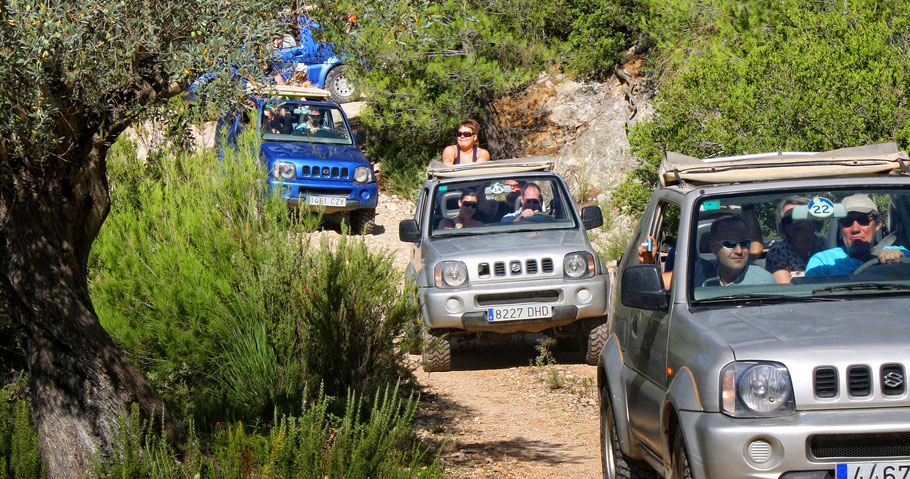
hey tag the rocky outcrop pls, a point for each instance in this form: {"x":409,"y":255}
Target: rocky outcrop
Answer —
{"x":581,"y":124}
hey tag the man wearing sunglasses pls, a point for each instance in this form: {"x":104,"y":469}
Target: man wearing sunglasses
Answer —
{"x":858,"y":231}
{"x":530,"y":205}
{"x":729,"y":241}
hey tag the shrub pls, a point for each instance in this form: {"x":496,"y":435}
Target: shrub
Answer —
{"x":757,"y":76}
{"x":210,"y":287}
{"x":20,"y":457}
{"x":314,"y":444}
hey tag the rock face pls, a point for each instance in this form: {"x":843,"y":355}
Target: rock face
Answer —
{"x":582,"y":125}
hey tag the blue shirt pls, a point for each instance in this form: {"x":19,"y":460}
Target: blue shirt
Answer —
{"x":836,"y":262}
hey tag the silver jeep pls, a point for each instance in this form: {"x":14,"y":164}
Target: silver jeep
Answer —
{"x":478,"y":270}
{"x":755,"y":362}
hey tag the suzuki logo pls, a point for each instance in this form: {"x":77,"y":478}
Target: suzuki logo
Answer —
{"x":893,"y":379}
{"x":516,"y":267}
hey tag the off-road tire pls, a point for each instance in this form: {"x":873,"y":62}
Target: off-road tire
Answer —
{"x":614,"y":464}
{"x":681,"y":469}
{"x":437,"y":353}
{"x":597,"y":337}
{"x":340,"y":86}
{"x":363,"y":221}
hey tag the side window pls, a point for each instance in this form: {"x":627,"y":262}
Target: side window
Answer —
{"x":421,"y":204}
{"x":666,"y":232}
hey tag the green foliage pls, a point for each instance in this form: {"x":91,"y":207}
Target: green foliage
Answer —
{"x":107,"y":57}
{"x":765,"y":76}
{"x":20,"y":457}
{"x":209,"y":286}
{"x":315,"y":444}
{"x":429,"y":64}
{"x":352,"y":310}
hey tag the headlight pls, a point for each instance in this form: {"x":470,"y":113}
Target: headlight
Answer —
{"x":362,"y":174}
{"x":284,"y":170}
{"x":451,"y":274}
{"x":756,"y":389}
{"x":578,"y":265}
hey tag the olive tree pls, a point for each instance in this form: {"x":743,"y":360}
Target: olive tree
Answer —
{"x":75,"y":74}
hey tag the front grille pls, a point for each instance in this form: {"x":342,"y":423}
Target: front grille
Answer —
{"x":325,"y":171}
{"x":546,"y":265}
{"x":826,"y":382}
{"x":893,"y":380}
{"x":862,"y":445}
{"x":859,"y":380}
{"x":546,"y":296}
{"x":499,"y":268}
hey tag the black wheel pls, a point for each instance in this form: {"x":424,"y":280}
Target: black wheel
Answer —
{"x":363,"y":221}
{"x":614,"y":464}
{"x":597,"y":337}
{"x":341,"y":87}
{"x":681,"y":469}
{"x":437,"y":352}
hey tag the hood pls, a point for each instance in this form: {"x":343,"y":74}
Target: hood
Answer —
{"x":819,"y":329}
{"x":294,"y":151}
{"x":512,"y":243}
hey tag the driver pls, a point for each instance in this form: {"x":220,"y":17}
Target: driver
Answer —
{"x":530,"y":204}
{"x":730,"y":241}
{"x":858,"y":230}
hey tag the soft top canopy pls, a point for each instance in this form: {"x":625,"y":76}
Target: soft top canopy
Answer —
{"x":882,"y":158}
{"x":436,"y":169}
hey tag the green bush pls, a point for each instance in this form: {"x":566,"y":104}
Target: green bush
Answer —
{"x":20,"y":457}
{"x":758,"y":76}
{"x":426,"y":66}
{"x":315,"y":445}
{"x":212,"y":290}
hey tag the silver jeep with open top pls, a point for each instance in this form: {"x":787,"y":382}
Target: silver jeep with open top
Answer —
{"x":758,"y":324}
{"x":500,"y":248}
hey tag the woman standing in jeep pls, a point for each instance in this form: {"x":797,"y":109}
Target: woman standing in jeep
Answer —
{"x":465,"y":150}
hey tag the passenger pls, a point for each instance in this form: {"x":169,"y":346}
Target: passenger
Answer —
{"x":270,"y":121}
{"x":313,"y":124}
{"x":492,"y":211}
{"x":530,"y":204}
{"x":858,"y":230}
{"x":465,"y":150}
{"x":467,"y":206}
{"x":730,"y":240}
{"x":787,"y":258}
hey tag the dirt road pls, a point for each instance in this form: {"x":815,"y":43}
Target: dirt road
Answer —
{"x":495,"y":415}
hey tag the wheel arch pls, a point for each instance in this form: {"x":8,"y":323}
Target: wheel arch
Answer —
{"x":682,"y":406}
{"x":609,"y":375}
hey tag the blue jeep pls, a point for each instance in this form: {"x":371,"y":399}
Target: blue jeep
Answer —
{"x":312,"y":160}
{"x":324,"y":68}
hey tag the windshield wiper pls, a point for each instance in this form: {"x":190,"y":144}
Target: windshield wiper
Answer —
{"x":842,"y":288}
{"x":747,"y":298}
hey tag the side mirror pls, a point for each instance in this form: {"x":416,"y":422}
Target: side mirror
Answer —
{"x":643,"y":288}
{"x":591,"y":217}
{"x":408,"y":231}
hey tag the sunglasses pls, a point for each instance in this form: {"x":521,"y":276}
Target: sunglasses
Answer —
{"x":464,"y":134}
{"x":471,"y":204}
{"x":863,"y":220}
{"x":532,"y":201}
{"x":732,"y":244}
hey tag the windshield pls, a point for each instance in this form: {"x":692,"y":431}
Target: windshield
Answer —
{"x":500,"y":204}
{"x":298,"y":121}
{"x":812,"y":244}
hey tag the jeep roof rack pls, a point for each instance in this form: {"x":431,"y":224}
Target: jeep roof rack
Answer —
{"x":288,"y":92}
{"x":436,"y":169}
{"x":877,"y":159}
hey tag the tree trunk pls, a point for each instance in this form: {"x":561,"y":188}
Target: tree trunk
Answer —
{"x":50,"y":213}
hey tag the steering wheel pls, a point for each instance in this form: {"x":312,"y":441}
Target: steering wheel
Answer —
{"x":875,"y":262}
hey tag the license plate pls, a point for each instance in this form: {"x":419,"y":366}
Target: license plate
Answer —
{"x":326,"y":201}
{"x":512,"y":313}
{"x":878,"y":470}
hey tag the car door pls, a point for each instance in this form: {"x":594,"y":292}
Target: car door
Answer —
{"x":647,"y":336}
